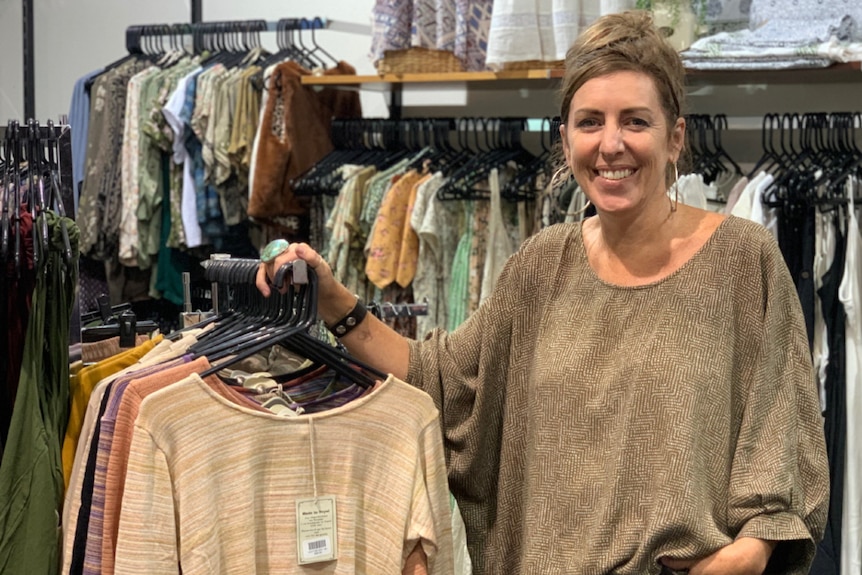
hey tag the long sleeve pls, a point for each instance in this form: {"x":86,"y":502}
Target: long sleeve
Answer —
{"x":147,"y":537}
{"x":778,"y":488}
{"x":467,"y":372}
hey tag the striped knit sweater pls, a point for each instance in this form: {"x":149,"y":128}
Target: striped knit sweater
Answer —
{"x":593,"y":429}
{"x":211,"y":486}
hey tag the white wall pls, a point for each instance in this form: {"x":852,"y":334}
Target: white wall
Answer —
{"x":351,"y":47}
{"x":11,"y":62}
{"x":74,"y":37}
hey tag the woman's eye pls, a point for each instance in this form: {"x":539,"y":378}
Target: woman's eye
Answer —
{"x":639,"y":122}
{"x":588,"y":123}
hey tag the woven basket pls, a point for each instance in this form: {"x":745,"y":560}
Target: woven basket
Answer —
{"x":418,"y":61}
{"x":533,"y":65}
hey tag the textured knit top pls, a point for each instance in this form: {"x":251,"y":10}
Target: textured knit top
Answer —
{"x":593,"y":429}
{"x":212,"y":486}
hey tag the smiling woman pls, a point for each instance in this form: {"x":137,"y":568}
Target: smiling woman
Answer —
{"x":618,"y":142}
{"x":623,"y":132}
{"x":635,"y":395}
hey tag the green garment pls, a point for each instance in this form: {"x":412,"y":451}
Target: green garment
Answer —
{"x":31,"y":474}
{"x":459,"y":293}
{"x":171,"y":261}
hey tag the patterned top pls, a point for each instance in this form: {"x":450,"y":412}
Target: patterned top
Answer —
{"x":458,"y":26}
{"x":593,"y":428}
{"x":385,"y":244}
{"x":129,"y":169}
{"x":99,"y":205}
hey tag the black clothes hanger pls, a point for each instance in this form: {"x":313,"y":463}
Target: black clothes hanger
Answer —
{"x":7,"y":181}
{"x":287,"y":318}
{"x":498,"y":143}
{"x":116,"y":321}
{"x":134,"y":35}
{"x":522,"y":187}
{"x":52,"y":174}
{"x":316,"y":24}
{"x":301,"y":299}
{"x":249,"y":314}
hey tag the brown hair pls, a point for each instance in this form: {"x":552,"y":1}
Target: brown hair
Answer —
{"x":625,"y":41}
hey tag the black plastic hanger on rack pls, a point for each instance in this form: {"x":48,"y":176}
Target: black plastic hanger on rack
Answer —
{"x":297,"y":312}
{"x":117,"y":321}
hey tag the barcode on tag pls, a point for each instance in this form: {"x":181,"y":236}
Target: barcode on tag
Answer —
{"x":317,"y":547}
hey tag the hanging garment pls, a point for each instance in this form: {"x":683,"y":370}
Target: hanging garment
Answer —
{"x":386,"y":240}
{"x":478,"y":253}
{"x":31,"y":479}
{"x":828,"y":557}
{"x":693,"y":190}
{"x":459,"y":291}
{"x":499,"y":242}
{"x":851,"y":296}
{"x":81,"y":485}
{"x":17,"y":290}
{"x":100,"y":202}
{"x":82,"y":386}
{"x":129,"y":169}
{"x":395,"y":465}
{"x":523,"y":30}
{"x":346,"y":242}
{"x":178,"y":113}
{"x":295,"y":134}
{"x":431,"y":282}
{"x":79,"y":124}
{"x":472,"y":25}
{"x":116,"y":437}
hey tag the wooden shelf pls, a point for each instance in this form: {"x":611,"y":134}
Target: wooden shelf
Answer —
{"x":849,"y":72}
{"x":434,"y":77}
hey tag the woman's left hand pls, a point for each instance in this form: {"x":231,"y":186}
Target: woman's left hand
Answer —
{"x":745,"y":556}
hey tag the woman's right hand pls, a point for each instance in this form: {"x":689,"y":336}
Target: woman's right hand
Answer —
{"x":334,"y":300}
{"x":372,"y":341}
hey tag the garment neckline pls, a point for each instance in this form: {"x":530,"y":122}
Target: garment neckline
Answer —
{"x":348,"y":407}
{"x":681,"y":269}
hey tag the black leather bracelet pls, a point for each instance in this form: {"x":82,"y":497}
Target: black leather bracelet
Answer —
{"x":343,"y":326}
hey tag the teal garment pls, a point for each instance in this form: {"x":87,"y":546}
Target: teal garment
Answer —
{"x":459,"y":292}
{"x":172,"y":262}
{"x":31,"y":472}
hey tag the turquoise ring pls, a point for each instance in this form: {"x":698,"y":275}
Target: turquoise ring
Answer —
{"x":273,"y":249}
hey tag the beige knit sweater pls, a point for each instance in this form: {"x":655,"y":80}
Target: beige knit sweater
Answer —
{"x":212,"y":486}
{"x":593,"y":429}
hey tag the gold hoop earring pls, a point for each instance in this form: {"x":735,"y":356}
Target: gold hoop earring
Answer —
{"x":586,"y":205}
{"x":675,"y":185}
{"x":557,"y":178}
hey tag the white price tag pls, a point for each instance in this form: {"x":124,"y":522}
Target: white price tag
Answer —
{"x":316,"y":532}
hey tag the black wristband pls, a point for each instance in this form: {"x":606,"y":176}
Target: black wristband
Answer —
{"x":343,"y":326}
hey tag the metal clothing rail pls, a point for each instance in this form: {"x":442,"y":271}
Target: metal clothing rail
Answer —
{"x":199,"y":29}
{"x":28,"y":16}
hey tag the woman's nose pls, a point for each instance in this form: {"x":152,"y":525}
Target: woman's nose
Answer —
{"x":612,"y":140}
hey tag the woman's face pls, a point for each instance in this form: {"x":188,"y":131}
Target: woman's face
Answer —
{"x":617,"y":141}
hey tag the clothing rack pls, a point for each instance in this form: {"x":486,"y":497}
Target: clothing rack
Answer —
{"x":387,"y":309}
{"x":48,"y":133}
{"x":231,"y":33}
{"x":47,"y":138}
{"x":223,"y":273}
